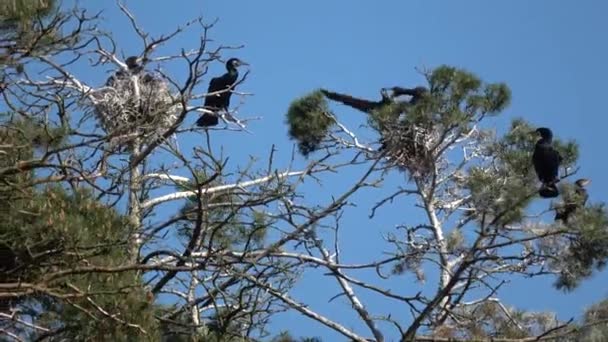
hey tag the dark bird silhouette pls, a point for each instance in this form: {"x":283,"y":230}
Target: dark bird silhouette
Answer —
{"x":220,"y":101}
{"x":363,"y":105}
{"x":415,"y":93}
{"x":368,"y":106}
{"x":122,"y":78}
{"x":134,"y":67}
{"x":546,"y":162}
{"x":574,"y":202}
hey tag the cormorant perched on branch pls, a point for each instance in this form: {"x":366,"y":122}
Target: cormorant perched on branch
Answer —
{"x":546,"y":162}
{"x":134,"y":67}
{"x":220,"y":101}
{"x":577,"y":201}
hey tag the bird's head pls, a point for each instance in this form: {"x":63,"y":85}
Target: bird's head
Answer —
{"x":583,"y":182}
{"x":385,"y":94}
{"x":234,"y":63}
{"x":545,"y":133}
{"x":132,"y":62}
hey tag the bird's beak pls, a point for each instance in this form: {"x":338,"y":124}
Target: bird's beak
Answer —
{"x":243,"y":63}
{"x":583,"y":182}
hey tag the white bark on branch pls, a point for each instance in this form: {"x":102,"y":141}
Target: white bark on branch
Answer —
{"x":221,"y":188}
{"x":164,"y":176}
{"x":352,"y":297}
{"x":307,"y":312}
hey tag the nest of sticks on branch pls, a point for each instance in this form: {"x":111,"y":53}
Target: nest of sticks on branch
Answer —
{"x":407,"y":133}
{"x":409,"y":147}
{"x":135,"y":105}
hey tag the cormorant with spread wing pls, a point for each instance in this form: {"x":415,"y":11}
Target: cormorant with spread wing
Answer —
{"x":363,"y":105}
{"x":546,"y":162}
{"x":416,"y":93}
{"x":221,"y":101}
{"x":368,"y":106}
{"x":574,"y":202}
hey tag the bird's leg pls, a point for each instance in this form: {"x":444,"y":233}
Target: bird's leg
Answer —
{"x":228,"y":117}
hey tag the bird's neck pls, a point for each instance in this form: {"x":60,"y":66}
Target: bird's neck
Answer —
{"x":233,"y":72}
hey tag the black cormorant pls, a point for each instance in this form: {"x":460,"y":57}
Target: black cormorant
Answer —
{"x":133,"y":68}
{"x":575,"y":202}
{"x":363,"y":105}
{"x":415,"y":93}
{"x":546,"y":162}
{"x":220,"y":101}
{"x":133,"y":64}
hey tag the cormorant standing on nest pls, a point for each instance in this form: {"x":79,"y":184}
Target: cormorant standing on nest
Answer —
{"x":546,"y":162}
{"x":133,"y":68}
{"x":577,"y":201}
{"x":220,"y":101}
{"x":133,"y":64}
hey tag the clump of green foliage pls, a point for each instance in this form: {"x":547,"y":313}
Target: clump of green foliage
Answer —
{"x":12,"y":11}
{"x":586,"y":249}
{"x":49,"y":232}
{"x":309,"y":121}
{"x":502,"y":194}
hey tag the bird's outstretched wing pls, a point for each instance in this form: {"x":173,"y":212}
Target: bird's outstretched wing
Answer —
{"x":360,"y":104}
{"x":416,"y":93}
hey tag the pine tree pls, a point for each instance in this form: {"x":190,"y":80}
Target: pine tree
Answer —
{"x":476,"y":201}
{"x":91,"y":250}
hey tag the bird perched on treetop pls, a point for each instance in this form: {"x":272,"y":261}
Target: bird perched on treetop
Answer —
{"x":573,"y":202}
{"x":546,"y":162}
{"x":221,"y":101}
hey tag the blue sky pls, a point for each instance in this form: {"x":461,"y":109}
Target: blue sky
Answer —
{"x":552,"y":54}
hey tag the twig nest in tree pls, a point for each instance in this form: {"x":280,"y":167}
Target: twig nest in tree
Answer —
{"x":408,"y":142}
{"x":135,"y":104}
{"x":409,"y":147}
{"x":309,"y":121}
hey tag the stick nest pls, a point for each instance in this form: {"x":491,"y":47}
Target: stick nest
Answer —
{"x":135,"y":105}
{"x":409,"y":141}
{"x":410,"y":148}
